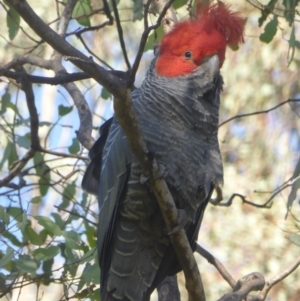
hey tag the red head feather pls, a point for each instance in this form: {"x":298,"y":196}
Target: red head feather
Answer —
{"x":184,"y":48}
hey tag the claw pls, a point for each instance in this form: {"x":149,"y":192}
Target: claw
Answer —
{"x":161,"y":171}
{"x":144,"y":179}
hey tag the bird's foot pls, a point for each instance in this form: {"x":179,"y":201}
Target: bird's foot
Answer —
{"x":161,"y":172}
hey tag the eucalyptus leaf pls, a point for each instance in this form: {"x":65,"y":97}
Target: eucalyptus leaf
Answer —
{"x":44,"y":254}
{"x":295,"y":238}
{"x":7,"y":257}
{"x":269,"y":31}
{"x":74,"y":148}
{"x":63,"y":110}
{"x":13,"y":23}
{"x":81,"y":11}
{"x":49,"y":225}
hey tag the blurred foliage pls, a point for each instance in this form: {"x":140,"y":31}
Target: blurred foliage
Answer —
{"x":48,"y":225}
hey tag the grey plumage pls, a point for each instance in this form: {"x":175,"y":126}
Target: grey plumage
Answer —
{"x":179,"y":120}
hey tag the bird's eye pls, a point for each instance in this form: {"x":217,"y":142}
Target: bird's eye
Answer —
{"x":188,"y":55}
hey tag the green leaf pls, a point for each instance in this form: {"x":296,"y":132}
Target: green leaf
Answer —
{"x":105,"y":94}
{"x":24,"y":141}
{"x":62,"y":110}
{"x":12,"y":22}
{"x":80,"y":12}
{"x":89,"y":255}
{"x":43,"y":171}
{"x":138,"y":10}
{"x":179,"y":3}
{"x":4,"y":217}
{"x":68,"y":194}
{"x":290,"y":10}
{"x":155,"y":36}
{"x":36,"y":200}
{"x":295,"y":186}
{"x":94,"y":296}
{"x":44,"y":254}
{"x":13,"y":157}
{"x":71,"y":259}
{"x":24,"y":221}
{"x":47,"y":266}
{"x":58,"y":220}
{"x":13,"y":239}
{"x":5,"y":101}
{"x":91,"y":234}
{"x":270,"y":31}
{"x":16,"y":213}
{"x":74,"y":148}
{"x":266,"y":11}
{"x":44,"y":181}
{"x":292,"y":46}
{"x":31,"y":236}
{"x":73,"y":240}
{"x":7,"y":150}
{"x":49,"y":225}
{"x":7,"y":257}
{"x":295,"y":238}
{"x":26,"y":265}
{"x":91,"y":274}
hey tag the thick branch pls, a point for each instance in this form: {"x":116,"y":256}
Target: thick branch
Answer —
{"x":34,"y":119}
{"x":251,"y":282}
{"x":108,"y":80}
{"x":34,"y":79}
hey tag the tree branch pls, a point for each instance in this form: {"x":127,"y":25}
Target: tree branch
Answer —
{"x":259,"y":112}
{"x":218,"y":265}
{"x":270,"y":283}
{"x":144,"y":38}
{"x":120,"y":33}
{"x":251,"y":282}
{"x":34,"y":127}
{"x":108,"y":80}
{"x":34,"y":79}
{"x":169,"y":18}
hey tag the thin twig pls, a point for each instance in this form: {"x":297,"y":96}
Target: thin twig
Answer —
{"x":244,"y":200}
{"x":252,"y":282}
{"x":76,"y":214}
{"x":259,"y":112}
{"x":273,"y":281}
{"x":120,"y":33}
{"x":80,"y":31}
{"x":91,"y":52}
{"x":143,"y":41}
{"x":218,"y":265}
{"x":64,"y":155}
